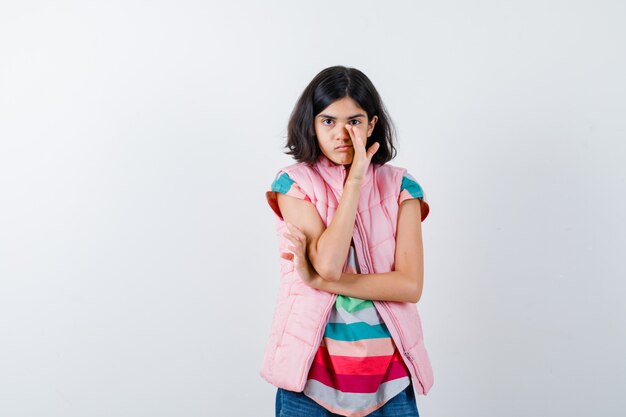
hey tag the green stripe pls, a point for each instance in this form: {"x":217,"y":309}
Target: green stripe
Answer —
{"x":355,"y":331}
{"x":351,"y":304}
{"x":282,"y":184}
{"x":412,"y":187}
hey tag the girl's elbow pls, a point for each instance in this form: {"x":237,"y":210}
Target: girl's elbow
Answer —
{"x":415,"y":291}
{"x":419,"y":294}
{"x":412,"y":297}
{"x":329,"y":274}
{"x":333,"y":277}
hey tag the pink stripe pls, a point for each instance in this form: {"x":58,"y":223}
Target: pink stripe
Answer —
{"x":360,"y":348}
{"x":350,"y":365}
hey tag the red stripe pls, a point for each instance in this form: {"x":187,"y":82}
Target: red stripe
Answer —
{"x":353,"y":365}
{"x":357,"y":383}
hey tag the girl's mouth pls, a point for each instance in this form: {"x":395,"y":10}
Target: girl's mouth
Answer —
{"x":343,"y":148}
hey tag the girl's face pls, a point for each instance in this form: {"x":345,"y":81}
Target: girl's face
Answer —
{"x":330,"y":128}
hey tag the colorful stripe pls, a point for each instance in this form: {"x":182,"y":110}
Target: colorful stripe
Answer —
{"x":373,"y":347}
{"x":409,"y":184}
{"x":285,"y":185}
{"x":353,"y":404}
{"x":355,"y":331}
{"x":356,"y":383}
{"x":355,"y":365}
{"x":352,"y":305}
{"x":410,"y":189}
{"x":367,"y":315}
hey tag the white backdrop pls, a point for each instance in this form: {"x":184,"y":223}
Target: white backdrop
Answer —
{"x":138,"y":259}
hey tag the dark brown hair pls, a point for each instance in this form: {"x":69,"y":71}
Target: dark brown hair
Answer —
{"x":329,"y":85}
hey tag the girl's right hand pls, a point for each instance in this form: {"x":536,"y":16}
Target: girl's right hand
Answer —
{"x":298,"y":255}
{"x":362,"y":158}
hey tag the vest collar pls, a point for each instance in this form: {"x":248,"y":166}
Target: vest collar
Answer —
{"x":334,"y":174}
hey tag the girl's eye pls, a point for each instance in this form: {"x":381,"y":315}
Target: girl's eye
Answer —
{"x":328,"y":122}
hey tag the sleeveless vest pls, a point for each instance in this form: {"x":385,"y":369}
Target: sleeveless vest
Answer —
{"x":301,"y":312}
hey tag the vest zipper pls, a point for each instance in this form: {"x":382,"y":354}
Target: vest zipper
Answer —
{"x":406,"y":353}
{"x":322,"y":326}
{"x":409,"y":361}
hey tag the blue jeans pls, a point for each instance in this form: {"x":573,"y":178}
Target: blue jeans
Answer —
{"x":296,"y":404}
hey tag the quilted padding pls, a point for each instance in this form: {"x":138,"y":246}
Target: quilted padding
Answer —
{"x":301,"y":311}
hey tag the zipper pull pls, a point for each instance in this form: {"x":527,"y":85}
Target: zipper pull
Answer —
{"x":408,"y":355}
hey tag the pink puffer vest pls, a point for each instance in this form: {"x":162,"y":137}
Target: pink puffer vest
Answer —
{"x":301,"y":312}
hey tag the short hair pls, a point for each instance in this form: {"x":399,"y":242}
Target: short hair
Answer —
{"x":331,"y":84}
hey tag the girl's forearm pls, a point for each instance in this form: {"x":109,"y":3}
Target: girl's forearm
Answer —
{"x":334,"y":243}
{"x":387,"y":286}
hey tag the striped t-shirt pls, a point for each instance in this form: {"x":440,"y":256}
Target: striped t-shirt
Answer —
{"x":357,"y":367}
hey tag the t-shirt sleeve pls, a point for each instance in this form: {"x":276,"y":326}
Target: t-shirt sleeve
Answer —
{"x":410,"y":188}
{"x":285,"y":185}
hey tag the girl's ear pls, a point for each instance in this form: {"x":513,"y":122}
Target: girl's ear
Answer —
{"x":370,"y":126}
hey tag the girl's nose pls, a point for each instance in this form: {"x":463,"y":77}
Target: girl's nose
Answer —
{"x":343,"y":132}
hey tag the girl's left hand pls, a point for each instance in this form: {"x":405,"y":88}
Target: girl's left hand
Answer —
{"x":362,"y":157}
{"x":300,"y":261}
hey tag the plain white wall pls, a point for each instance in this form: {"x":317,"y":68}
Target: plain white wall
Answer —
{"x":138,"y":260}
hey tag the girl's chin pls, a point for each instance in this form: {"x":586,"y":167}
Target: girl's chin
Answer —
{"x":345,"y":160}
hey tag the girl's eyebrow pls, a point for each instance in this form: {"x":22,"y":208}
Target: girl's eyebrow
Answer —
{"x":328,"y":116}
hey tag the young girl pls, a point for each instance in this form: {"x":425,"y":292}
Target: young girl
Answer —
{"x":346,"y":336}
